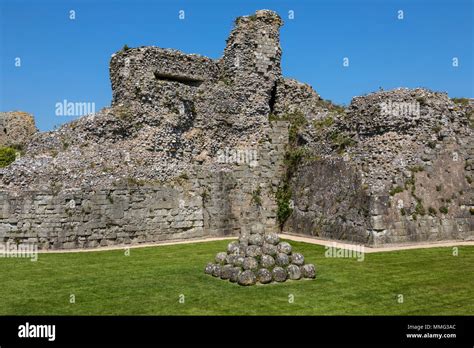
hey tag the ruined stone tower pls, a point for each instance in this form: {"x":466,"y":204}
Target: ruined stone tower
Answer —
{"x":238,"y":89}
{"x":252,"y":59}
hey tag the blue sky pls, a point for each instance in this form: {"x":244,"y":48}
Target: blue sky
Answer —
{"x":68,"y":59}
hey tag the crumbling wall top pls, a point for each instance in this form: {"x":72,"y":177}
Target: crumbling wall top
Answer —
{"x":16,"y":128}
{"x":132,"y":68}
{"x":266,"y":16}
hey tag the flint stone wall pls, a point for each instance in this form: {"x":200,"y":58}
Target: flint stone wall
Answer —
{"x":444,"y":183}
{"x":332,"y":202}
{"x":136,"y":67}
{"x":16,"y":128}
{"x":224,"y":202}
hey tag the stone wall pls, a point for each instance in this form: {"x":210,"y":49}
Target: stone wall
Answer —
{"x":394,"y":167}
{"x":251,"y":63}
{"x":86,"y":219}
{"x":437,"y":203}
{"x":239,"y":196}
{"x":293,"y":96}
{"x":330,"y":202}
{"x":134,"y":68}
{"x":220,"y":201}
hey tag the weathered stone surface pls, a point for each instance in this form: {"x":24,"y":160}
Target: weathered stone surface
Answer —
{"x":226,"y":271}
{"x":279,"y":274}
{"x":294,"y":272}
{"x":293,"y":96}
{"x":267,"y":261}
{"x":308,"y":271}
{"x":162,"y":163}
{"x":16,"y":128}
{"x":269,"y":249}
{"x":234,"y":274}
{"x":272,"y":238}
{"x":253,"y":251}
{"x":297,"y":259}
{"x":247,"y":278}
{"x":257,"y":228}
{"x":216,"y":270}
{"x":256,"y":239}
{"x":233,"y":248}
{"x":284,"y":247}
{"x":209,"y":268}
{"x":154,"y":63}
{"x":346,"y":182}
{"x":376,"y":154}
{"x":264,"y":276}
{"x":221,"y":257}
{"x":239,"y":261}
{"x":250,"y":263}
{"x":243,"y":242}
{"x":282,"y":260}
{"x":230,"y":259}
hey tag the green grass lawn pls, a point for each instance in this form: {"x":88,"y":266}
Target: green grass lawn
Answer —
{"x":150,"y":281}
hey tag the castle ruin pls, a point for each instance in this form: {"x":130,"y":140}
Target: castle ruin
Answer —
{"x":149,"y":168}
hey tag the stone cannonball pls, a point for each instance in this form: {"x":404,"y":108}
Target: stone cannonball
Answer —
{"x":256,"y":239}
{"x":209,"y":268}
{"x":221,"y":257}
{"x":282,"y":260}
{"x":294,"y":272}
{"x":267,"y":261}
{"x":216,"y":271}
{"x":297,"y":259}
{"x":234,"y":274}
{"x":226,"y":271}
{"x":264,"y":276}
{"x":308,"y":271}
{"x":284,"y":247}
{"x":253,"y":251}
{"x":250,"y":263}
{"x":247,"y":278}
{"x":272,"y":238}
{"x":233,"y":248}
{"x":279,"y":274}
{"x":269,"y":249}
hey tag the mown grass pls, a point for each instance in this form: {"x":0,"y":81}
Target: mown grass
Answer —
{"x":150,"y":281}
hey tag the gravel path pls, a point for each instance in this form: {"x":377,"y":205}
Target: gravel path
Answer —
{"x":391,"y":247}
{"x":309,"y":240}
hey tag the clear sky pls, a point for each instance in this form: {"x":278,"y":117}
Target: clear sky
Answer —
{"x":68,"y":59}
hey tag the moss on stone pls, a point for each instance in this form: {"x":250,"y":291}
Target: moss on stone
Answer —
{"x":419,"y":209}
{"x":257,"y":196}
{"x":7,"y":156}
{"x":461,"y":101}
{"x":283,"y":198}
{"x":396,"y":190}
{"x":443,"y":210}
{"x":323,"y":123}
{"x":340,"y":141}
